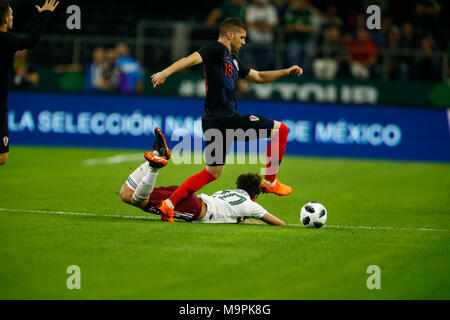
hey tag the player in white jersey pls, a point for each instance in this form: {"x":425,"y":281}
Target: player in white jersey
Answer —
{"x":225,"y":206}
{"x":232,"y":206}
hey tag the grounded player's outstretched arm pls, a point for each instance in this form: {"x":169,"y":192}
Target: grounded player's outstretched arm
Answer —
{"x":184,"y":63}
{"x":271,"y":219}
{"x":270,"y":76}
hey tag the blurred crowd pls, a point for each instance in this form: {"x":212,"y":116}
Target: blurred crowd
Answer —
{"x":330,"y":38}
{"x":114,"y":70}
{"x":23,"y":75}
{"x":110,"y":70}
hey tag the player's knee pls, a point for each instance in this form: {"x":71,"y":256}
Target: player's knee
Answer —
{"x":3,"y":158}
{"x":284,"y":130}
{"x":126,"y":194}
{"x":216,"y":171}
{"x":279,"y":129}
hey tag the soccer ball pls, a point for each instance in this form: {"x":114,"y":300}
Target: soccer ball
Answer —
{"x":313,"y":215}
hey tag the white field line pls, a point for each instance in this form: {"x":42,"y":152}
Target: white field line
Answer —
{"x":115,"y":159}
{"x":388,"y":228}
{"x":154,"y":218}
{"x":79,"y":214}
{"x":177,"y":159}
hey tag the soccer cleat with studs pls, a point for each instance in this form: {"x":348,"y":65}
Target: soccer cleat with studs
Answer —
{"x":165,"y":212}
{"x":154,"y":160}
{"x":162,"y":210}
{"x":160,"y":144}
{"x":279,"y":188}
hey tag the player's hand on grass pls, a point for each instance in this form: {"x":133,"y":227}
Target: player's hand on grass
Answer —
{"x":295,"y":70}
{"x":158,"y":79}
{"x":49,"y":5}
{"x":252,"y":222}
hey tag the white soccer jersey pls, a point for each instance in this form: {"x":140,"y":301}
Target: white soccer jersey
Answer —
{"x":230,"y":206}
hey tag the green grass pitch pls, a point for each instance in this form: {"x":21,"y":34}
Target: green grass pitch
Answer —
{"x":391,"y":214}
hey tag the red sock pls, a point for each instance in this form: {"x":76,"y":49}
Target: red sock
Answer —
{"x":191,"y":185}
{"x":279,"y":146}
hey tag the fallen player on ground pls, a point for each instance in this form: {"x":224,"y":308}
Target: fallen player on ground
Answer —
{"x":225,"y":206}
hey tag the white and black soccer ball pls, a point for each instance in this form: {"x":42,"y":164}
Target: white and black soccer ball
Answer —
{"x":313,"y":215}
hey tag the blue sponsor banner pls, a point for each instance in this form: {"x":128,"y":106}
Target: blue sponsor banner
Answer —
{"x":322,"y":130}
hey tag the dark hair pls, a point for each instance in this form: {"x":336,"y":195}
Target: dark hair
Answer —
{"x":250,"y":182}
{"x":4,"y":10}
{"x":231,"y":24}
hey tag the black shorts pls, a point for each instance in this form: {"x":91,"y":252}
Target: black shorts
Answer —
{"x":236,"y":128}
{"x":4,"y":132}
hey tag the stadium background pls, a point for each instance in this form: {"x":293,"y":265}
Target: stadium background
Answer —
{"x":405,"y":64}
{"x":395,"y":109}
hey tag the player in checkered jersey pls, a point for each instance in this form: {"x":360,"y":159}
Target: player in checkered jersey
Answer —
{"x":225,"y":206}
{"x":222,"y":68}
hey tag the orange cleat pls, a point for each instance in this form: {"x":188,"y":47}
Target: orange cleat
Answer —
{"x":154,"y":160}
{"x":278,"y":189}
{"x":166,"y":213}
{"x":160,"y":144}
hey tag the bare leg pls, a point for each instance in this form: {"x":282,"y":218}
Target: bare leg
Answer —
{"x":3,"y":158}
{"x":216,"y":171}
